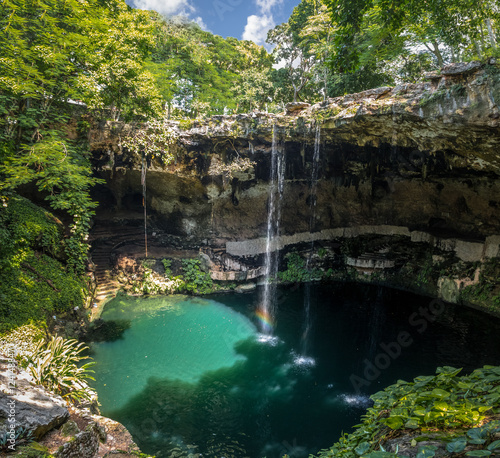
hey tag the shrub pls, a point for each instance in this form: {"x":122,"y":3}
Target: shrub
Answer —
{"x":34,"y":281}
{"x":55,"y":365}
{"x":443,"y":401}
{"x":195,"y":279}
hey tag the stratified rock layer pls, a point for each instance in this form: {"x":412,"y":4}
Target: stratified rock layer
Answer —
{"x":425,"y":156}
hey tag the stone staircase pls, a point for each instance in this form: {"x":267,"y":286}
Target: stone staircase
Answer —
{"x":105,"y":239}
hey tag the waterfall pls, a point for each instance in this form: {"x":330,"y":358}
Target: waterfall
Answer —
{"x":266,"y":310}
{"x":313,"y":188}
{"x":144,"y":169}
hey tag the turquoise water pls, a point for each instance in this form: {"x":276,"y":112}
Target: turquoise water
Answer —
{"x":193,"y":377}
{"x":178,"y":338}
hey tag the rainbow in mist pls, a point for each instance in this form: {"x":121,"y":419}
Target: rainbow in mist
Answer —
{"x":265,"y":319}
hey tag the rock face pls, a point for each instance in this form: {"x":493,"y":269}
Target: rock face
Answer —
{"x":424,"y":158}
{"x":34,"y":411}
{"x":44,"y":417}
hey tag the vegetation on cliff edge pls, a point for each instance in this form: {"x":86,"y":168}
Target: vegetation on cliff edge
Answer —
{"x":461,"y":412}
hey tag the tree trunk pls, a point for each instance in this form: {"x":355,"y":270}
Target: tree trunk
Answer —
{"x":478,"y":49}
{"x":438,"y":54}
{"x":453,"y":58}
{"x":491,"y":34}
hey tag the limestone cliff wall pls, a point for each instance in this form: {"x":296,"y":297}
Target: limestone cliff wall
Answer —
{"x":424,"y":156}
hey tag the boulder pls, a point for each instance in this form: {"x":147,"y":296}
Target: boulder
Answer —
{"x":293,"y":107}
{"x":245,"y":288}
{"x":461,"y":68}
{"x":83,"y":445}
{"x":33,"y":409}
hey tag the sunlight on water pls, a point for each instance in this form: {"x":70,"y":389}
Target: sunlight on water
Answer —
{"x":174,"y":338}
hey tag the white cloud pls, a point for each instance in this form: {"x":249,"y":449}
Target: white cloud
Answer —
{"x":257,"y":28}
{"x":259,"y":24}
{"x":201,"y":23}
{"x":265,"y":6}
{"x":166,"y":7}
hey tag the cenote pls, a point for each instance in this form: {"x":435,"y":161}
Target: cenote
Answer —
{"x":193,"y":375}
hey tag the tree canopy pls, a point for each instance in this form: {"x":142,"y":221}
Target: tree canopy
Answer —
{"x":63,"y":61}
{"x":333,"y":47}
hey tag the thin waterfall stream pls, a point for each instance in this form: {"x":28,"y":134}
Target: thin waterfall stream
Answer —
{"x":313,"y":188}
{"x":266,"y":312}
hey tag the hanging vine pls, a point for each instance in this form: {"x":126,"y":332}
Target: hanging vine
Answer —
{"x":155,"y":140}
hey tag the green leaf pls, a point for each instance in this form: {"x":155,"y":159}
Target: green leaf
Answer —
{"x":457,"y":445}
{"x":448,"y":370}
{"x":494,"y":445}
{"x":393,"y":422}
{"x":478,"y":453}
{"x":477,"y":436}
{"x":442,"y":406}
{"x":412,"y":423}
{"x":362,"y":448}
{"x":426,"y":451}
{"x":437,"y":392}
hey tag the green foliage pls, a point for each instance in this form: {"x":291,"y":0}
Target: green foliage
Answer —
{"x":203,"y":74}
{"x":26,"y":225}
{"x":33,"y":450}
{"x":57,"y":57}
{"x":167,"y":265}
{"x":196,"y":281}
{"x":57,"y":366}
{"x":154,"y":140}
{"x":192,"y":280}
{"x":444,"y":401}
{"x":23,"y":339}
{"x":410,"y":32}
{"x":297,"y":271}
{"x":369,"y":76}
{"x":154,"y":284}
{"x":59,"y":171}
{"x":485,"y":293}
{"x":22,"y":436}
{"x":34,"y":284}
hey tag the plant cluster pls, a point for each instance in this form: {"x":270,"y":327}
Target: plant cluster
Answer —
{"x":192,"y":280}
{"x":35,"y":282}
{"x":195,"y":280}
{"x":23,"y":339}
{"x":153,"y":140}
{"x":297,"y":270}
{"x":152,"y":283}
{"x":56,"y":365}
{"x":462,"y":407}
{"x":486,"y":292}
{"x":238,"y":165}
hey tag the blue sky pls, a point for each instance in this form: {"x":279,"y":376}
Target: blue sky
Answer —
{"x":247,"y":19}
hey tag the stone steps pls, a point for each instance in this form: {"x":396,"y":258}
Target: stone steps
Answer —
{"x":105,"y":239}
